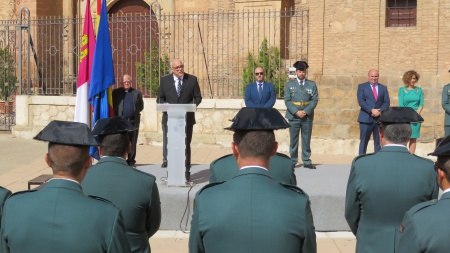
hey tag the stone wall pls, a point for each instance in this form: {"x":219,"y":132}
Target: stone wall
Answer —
{"x":335,"y":128}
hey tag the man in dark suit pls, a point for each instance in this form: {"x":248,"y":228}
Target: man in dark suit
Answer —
{"x":59,"y":217}
{"x":426,"y":227}
{"x":128,"y":103}
{"x":179,"y":88}
{"x":373,"y":98}
{"x":252,"y":212}
{"x":280,"y":168}
{"x":133,"y":191}
{"x":382,"y":186}
{"x":260,"y":93}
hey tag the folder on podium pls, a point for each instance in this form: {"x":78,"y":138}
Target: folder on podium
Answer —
{"x":176,"y":145}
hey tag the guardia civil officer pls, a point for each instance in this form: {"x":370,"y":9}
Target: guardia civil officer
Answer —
{"x":133,"y":191}
{"x":426,"y":227}
{"x":301,"y":97}
{"x":59,"y":217}
{"x":252,"y":212}
{"x":446,"y":107}
{"x":382,"y":186}
{"x":4,"y":194}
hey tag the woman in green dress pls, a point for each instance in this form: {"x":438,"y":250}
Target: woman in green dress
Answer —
{"x":411,"y":96}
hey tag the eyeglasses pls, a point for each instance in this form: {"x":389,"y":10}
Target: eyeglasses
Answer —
{"x":259,"y":73}
{"x":126,"y":81}
{"x":178,"y":67}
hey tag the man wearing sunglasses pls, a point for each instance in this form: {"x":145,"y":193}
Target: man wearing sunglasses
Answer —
{"x":260,"y":93}
{"x":425,"y":227}
{"x":179,"y":88}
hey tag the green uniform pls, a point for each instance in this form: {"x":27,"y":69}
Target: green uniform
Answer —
{"x":446,"y":106}
{"x":381,"y":188}
{"x":426,"y":227}
{"x":4,"y":194}
{"x":252,"y":213}
{"x":133,"y":191}
{"x":280,"y":169}
{"x":300,"y":97}
{"x":60,"y":218}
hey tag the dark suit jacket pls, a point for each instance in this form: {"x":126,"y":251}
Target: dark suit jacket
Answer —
{"x":118,"y":95}
{"x":426,"y":227}
{"x":60,"y":218}
{"x":252,"y":213}
{"x":381,"y":188}
{"x":190,"y":94}
{"x":268,"y":96}
{"x":367,"y":101}
{"x":133,"y":191}
{"x":280,"y":168}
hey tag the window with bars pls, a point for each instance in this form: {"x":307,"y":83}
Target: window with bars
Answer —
{"x":401,"y":13}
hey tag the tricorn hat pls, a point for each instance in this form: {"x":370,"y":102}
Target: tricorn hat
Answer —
{"x":443,"y":148}
{"x":398,"y":115}
{"x":253,"y":119}
{"x":112,"y":125}
{"x":66,"y":132}
{"x":301,"y":65}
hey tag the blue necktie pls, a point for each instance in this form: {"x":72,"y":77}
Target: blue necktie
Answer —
{"x":179,"y":88}
{"x":260,"y":90}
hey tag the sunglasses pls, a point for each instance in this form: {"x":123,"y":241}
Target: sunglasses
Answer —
{"x":259,"y":73}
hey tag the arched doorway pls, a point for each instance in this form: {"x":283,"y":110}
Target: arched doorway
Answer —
{"x":134,"y":29}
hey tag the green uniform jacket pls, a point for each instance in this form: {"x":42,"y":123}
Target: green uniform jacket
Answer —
{"x":133,"y":191}
{"x":294,"y":93}
{"x":446,"y":103}
{"x":60,"y":218}
{"x":381,"y":188}
{"x":4,"y":194}
{"x":426,"y":227}
{"x":252,"y":213}
{"x":281,"y":169}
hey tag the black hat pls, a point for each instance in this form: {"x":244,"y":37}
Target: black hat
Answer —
{"x":66,"y":132}
{"x":252,"y":119}
{"x":112,"y":125}
{"x":301,"y":65}
{"x":398,"y":115}
{"x":443,"y":148}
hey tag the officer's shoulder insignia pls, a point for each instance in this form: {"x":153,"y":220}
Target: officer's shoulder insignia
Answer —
{"x":422,"y":206}
{"x":293,"y":188}
{"x":210,"y":185}
{"x":145,"y":173}
{"x":402,"y":228}
{"x":101,"y":199}
{"x":22,"y":192}
{"x":424,"y":158}
{"x":361,"y":156}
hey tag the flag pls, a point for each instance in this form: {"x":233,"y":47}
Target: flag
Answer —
{"x":102,"y":74}
{"x":82,"y":106}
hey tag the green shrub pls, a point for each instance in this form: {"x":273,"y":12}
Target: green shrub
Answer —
{"x":8,"y":79}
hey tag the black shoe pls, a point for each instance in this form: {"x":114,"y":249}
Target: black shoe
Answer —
{"x":164,"y":165}
{"x":187,"y":176}
{"x":309,"y":166}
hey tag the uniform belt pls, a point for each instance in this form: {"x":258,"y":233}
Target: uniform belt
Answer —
{"x":301,"y":103}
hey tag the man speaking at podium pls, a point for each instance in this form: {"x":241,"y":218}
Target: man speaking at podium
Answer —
{"x":179,"y":88}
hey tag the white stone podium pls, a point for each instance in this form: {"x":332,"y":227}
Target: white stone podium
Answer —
{"x":176,"y":143}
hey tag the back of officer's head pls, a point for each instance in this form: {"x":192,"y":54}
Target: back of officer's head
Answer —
{"x":68,"y":147}
{"x":254,"y":131}
{"x":113,"y":135}
{"x":395,"y":124}
{"x":442,"y":152}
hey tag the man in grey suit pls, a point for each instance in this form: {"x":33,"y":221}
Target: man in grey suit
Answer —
{"x":252,"y":212}
{"x":426,"y":227}
{"x":179,"y":88}
{"x":382,"y":186}
{"x":59,"y":217}
{"x":133,"y":191}
{"x":128,"y":103}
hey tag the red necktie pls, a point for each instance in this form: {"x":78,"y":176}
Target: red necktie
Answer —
{"x":374,"y":90}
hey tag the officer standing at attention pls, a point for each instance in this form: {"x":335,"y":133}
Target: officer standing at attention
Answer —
{"x":252,"y":212}
{"x":301,"y":97}
{"x":4,"y":194}
{"x":383,"y":186}
{"x":133,"y":191}
{"x":446,"y":107}
{"x":426,"y":227}
{"x":60,"y":217}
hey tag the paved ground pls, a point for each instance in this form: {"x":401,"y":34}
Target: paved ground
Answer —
{"x":22,"y":160}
